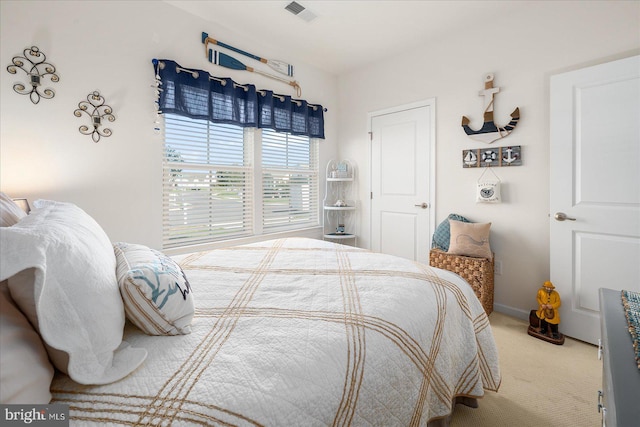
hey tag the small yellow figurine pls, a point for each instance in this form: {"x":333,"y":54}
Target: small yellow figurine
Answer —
{"x":547,"y":317}
{"x":548,"y":304}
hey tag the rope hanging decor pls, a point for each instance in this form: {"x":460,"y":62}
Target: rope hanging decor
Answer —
{"x":157,"y":82}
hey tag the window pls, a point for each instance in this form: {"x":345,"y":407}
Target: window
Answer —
{"x":221,"y":181}
{"x":289,"y":181}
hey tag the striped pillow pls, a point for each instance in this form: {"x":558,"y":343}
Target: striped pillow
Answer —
{"x":156,"y":293}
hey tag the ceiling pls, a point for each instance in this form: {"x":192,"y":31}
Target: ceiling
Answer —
{"x":346,"y":34}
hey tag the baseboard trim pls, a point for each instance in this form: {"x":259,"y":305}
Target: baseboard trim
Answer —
{"x":512,"y":311}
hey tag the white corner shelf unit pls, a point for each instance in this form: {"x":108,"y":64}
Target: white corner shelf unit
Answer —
{"x":340,"y":206}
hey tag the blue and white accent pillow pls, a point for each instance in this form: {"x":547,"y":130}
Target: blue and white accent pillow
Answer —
{"x":442,"y":233}
{"x":156,"y":293}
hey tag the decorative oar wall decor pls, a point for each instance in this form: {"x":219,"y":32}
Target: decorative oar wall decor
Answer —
{"x":276,"y":65}
{"x":489,"y":132}
{"x":224,"y":60}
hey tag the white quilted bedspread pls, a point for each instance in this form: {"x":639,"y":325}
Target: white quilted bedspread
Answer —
{"x":301,"y":332}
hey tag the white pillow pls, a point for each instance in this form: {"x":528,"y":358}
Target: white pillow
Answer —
{"x":61,"y":270}
{"x":25,"y":370}
{"x":10,"y":213}
{"x":156,"y":293}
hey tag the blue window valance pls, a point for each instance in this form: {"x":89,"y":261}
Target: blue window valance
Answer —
{"x":198,"y":95}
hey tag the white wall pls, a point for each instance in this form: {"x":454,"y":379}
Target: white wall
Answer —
{"x":522,"y":50}
{"x":108,"y":46}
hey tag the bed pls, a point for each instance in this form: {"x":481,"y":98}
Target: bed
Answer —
{"x":284,"y":332}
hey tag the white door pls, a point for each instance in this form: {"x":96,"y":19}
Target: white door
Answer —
{"x":402,"y":144}
{"x":595,"y":182}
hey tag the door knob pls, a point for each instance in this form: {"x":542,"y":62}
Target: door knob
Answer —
{"x":561,"y":216}
{"x":422,"y":205}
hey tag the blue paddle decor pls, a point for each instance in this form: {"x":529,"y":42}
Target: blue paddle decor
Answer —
{"x":227,"y":61}
{"x":279,"y":66}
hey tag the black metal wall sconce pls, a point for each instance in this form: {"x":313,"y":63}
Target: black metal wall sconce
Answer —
{"x":100,"y":112}
{"x":36,"y":69}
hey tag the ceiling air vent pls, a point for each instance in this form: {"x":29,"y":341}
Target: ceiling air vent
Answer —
{"x":300,"y":11}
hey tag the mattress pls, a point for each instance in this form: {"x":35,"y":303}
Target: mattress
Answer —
{"x":308,"y":333}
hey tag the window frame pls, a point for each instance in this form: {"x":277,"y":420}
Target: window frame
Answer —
{"x":253,"y":167}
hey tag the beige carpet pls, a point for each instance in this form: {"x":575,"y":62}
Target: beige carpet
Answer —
{"x":542,"y":384}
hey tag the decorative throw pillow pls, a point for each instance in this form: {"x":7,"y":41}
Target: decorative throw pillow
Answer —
{"x":10,"y":213}
{"x":156,"y":293}
{"x":25,"y":370}
{"x":470,"y":239}
{"x":442,"y":234}
{"x":60,"y":268}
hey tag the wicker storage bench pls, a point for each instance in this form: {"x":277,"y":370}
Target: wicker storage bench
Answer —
{"x":477,"y":271}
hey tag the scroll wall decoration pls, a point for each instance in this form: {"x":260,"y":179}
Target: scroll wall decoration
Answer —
{"x":100,"y":112}
{"x":34,"y":64}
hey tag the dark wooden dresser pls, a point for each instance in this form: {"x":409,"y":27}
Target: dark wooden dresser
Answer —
{"x":619,"y":399}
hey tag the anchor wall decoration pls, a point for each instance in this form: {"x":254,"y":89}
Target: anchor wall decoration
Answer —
{"x":489,"y":131}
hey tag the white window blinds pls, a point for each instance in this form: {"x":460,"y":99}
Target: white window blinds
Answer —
{"x":207,"y":182}
{"x":215,"y":174}
{"x":289,"y":181}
